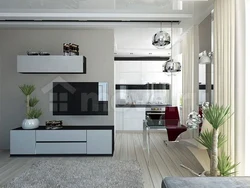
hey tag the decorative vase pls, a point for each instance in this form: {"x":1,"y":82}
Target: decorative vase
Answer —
{"x":30,"y":123}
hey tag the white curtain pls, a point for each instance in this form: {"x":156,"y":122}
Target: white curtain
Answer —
{"x":190,"y":76}
{"x":229,"y":73}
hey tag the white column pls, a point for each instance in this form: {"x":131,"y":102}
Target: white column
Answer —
{"x":247,"y":89}
{"x":240,"y":67}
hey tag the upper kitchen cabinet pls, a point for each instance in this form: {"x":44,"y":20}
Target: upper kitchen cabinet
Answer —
{"x":140,"y":72}
{"x":51,"y":64}
{"x":152,"y":66}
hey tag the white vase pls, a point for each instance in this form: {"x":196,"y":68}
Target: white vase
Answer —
{"x":30,"y":123}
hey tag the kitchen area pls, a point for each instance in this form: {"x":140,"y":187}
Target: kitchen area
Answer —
{"x":143,"y":91}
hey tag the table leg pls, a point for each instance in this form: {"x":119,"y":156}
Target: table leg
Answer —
{"x":148,"y":142}
{"x":144,"y":135}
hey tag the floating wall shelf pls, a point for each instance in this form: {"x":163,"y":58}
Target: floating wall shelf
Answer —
{"x":51,"y":64}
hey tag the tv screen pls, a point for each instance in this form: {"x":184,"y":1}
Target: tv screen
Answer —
{"x":80,"y":98}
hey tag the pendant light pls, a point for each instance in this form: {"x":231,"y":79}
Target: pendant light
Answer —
{"x":161,"y":39}
{"x":205,"y":58}
{"x":171,"y":65}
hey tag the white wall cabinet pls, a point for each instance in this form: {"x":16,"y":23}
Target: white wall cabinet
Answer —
{"x":51,"y":64}
{"x":130,"y":119}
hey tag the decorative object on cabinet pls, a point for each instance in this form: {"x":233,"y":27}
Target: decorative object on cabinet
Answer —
{"x":161,"y":39}
{"x":30,"y":53}
{"x":32,"y":114}
{"x":171,"y":65}
{"x":54,"y":124}
{"x":70,"y":49}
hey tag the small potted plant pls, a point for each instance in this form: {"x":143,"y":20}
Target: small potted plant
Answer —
{"x":220,"y":165}
{"x":32,"y":114}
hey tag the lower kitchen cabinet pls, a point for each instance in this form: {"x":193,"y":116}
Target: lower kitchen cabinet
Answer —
{"x":130,"y":119}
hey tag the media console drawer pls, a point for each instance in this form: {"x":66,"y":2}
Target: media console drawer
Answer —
{"x":61,"y":135}
{"x":61,"y":148}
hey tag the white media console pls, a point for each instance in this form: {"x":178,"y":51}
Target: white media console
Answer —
{"x":70,"y":140}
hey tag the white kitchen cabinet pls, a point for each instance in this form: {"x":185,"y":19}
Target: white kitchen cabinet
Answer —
{"x":130,"y":119}
{"x":152,"y":66}
{"x":119,"y":119}
{"x":133,"y":124}
{"x":129,"y":78}
{"x":129,"y":66}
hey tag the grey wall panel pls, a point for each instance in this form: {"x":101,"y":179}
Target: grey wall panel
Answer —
{"x":96,"y":45}
{"x":61,"y":135}
{"x":22,"y":142}
{"x":60,"y":148}
{"x":99,"y":142}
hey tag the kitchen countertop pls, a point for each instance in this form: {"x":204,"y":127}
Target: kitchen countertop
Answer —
{"x":140,"y":105}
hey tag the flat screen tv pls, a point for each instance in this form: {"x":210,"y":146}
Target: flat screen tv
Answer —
{"x":80,"y":98}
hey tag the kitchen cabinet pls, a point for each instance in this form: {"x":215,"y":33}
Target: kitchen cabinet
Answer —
{"x":130,"y":119}
{"x":119,"y":118}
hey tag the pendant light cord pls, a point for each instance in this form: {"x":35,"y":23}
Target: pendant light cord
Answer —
{"x":171,"y":41}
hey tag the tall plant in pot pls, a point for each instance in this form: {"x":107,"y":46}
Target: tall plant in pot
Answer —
{"x":32,"y":114}
{"x":220,"y":165}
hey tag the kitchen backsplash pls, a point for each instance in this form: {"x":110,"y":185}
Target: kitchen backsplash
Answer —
{"x":142,"y":97}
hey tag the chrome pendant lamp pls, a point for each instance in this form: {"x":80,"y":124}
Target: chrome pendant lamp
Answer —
{"x":171,"y":65}
{"x":161,"y":39}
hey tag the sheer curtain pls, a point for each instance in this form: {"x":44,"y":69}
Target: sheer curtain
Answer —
{"x":229,"y":73}
{"x":190,"y":76}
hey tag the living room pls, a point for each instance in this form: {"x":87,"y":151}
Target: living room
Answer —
{"x":90,"y":70}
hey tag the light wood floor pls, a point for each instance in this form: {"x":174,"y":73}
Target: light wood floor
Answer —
{"x":164,"y":160}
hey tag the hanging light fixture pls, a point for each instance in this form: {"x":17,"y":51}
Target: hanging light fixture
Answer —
{"x":205,"y":58}
{"x":171,"y":65}
{"x":161,"y":39}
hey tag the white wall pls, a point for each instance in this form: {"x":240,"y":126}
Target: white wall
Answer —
{"x":96,"y":45}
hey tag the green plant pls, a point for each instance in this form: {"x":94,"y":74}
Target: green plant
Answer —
{"x":206,"y":139}
{"x":34,"y":113}
{"x":225,"y":165}
{"x":216,"y":116}
{"x":31,"y":102}
{"x":27,"y":89}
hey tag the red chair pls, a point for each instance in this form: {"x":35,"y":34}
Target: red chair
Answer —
{"x":172,"y":123}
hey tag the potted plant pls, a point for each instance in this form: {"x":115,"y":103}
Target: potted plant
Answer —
{"x":220,"y":165}
{"x":32,"y":114}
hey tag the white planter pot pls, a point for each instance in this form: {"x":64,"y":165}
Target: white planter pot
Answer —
{"x":30,"y":123}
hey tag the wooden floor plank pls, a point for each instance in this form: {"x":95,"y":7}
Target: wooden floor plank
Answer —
{"x":173,"y":156}
{"x":153,"y":169}
{"x":143,"y":163}
{"x":124,"y":147}
{"x":117,"y":146}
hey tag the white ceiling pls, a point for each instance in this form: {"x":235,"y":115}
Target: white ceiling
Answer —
{"x":130,"y":38}
{"x":129,"y":5}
